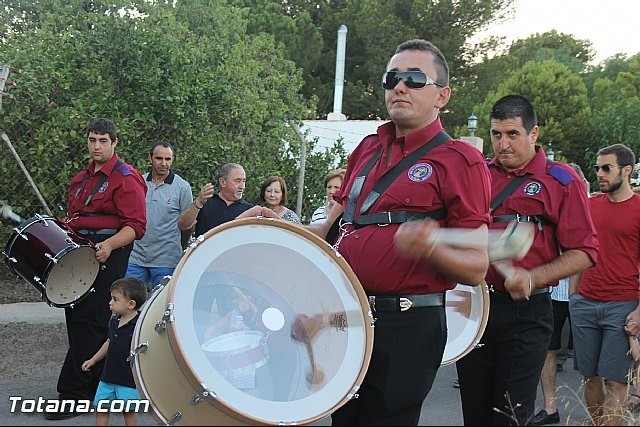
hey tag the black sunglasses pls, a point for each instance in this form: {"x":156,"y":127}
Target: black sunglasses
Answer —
{"x":605,"y":168}
{"x":413,"y":79}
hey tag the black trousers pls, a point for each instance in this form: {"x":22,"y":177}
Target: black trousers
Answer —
{"x":407,"y":351}
{"x":88,"y":326}
{"x":498,"y":381}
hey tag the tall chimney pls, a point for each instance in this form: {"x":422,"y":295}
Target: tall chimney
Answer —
{"x":339,"y":83}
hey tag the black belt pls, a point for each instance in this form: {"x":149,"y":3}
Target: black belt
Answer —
{"x":101,"y":231}
{"x":523,"y":218}
{"x":405,"y":302}
{"x":503,"y":296}
{"x":397,"y":217}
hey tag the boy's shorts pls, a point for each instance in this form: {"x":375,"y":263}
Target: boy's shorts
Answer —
{"x":110,"y":392}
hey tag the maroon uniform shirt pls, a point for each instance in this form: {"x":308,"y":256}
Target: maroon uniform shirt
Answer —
{"x":453,"y":175}
{"x":555,"y":193}
{"x":119,"y":201}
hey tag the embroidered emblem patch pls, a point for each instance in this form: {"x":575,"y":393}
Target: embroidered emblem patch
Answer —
{"x":420,"y":172}
{"x":103,"y":188}
{"x":532,"y":188}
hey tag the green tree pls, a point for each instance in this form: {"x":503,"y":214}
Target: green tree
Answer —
{"x":183,"y":71}
{"x":560,"y":99}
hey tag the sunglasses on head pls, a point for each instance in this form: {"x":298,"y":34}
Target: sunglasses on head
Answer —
{"x":413,"y":79}
{"x":605,"y":168}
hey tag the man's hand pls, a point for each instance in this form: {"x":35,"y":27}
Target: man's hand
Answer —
{"x":412,"y":239}
{"x":205,"y":194}
{"x":103,"y":251}
{"x":258,"y":211}
{"x":632,"y":323}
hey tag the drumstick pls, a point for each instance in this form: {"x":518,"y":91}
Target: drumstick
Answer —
{"x":7,"y":212}
{"x":303,"y":329}
{"x":512,"y":242}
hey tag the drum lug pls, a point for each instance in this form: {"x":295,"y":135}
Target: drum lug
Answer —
{"x":11,"y":259}
{"x":174,"y":418}
{"x":21,"y":234}
{"x":355,"y":394}
{"x":161,"y":325}
{"x":70,"y":241}
{"x":204,"y":393}
{"x":51,"y":258}
{"x":37,"y":280}
{"x":139,"y":349}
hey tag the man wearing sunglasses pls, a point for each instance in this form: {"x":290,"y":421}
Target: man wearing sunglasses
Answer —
{"x":498,"y":380}
{"x":402,"y":271}
{"x":605,"y":308}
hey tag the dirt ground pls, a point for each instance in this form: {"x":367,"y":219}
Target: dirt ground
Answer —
{"x":16,"y":289}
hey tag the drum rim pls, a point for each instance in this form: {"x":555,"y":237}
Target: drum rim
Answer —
{"x":61,"y":225}
{"x":188,"y":368}
{"x":484,"y":295}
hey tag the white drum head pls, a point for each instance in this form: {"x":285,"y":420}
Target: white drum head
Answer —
{"x":72,"y":276}
{"x":271,"y":321}
{"x":467,"y":309}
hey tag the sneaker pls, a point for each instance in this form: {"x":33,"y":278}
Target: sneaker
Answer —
{"x":542,"y":418}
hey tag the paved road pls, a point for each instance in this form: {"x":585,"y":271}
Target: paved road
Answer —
{"x":442,"y":406}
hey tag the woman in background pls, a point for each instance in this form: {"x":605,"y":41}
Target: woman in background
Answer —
{"x":273,"y":193}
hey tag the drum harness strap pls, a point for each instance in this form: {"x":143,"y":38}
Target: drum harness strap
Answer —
{"x":395,"y":217}
{"x":389,"y":302}
{"x":100,"y":183}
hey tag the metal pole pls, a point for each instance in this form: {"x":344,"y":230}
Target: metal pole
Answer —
{"x":26,"y":173}
{"x":303,"y":165}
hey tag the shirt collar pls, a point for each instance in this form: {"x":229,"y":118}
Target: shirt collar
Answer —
{"x":168,"y":179}
{"x":537,"y":165}
{"x":411,"y":141}
{"x":107,"y":168}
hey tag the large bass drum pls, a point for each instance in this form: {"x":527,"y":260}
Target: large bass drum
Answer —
{"x":262,"y":323}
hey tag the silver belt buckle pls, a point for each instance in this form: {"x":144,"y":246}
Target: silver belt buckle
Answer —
{"x":405,"y":304}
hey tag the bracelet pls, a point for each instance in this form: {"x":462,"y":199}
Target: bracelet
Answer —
{"x":529,"y":284}
{"x":195,"y":203}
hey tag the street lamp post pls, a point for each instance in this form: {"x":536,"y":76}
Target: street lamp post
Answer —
{"x":551,"y":155}
{"x":472,"y":126}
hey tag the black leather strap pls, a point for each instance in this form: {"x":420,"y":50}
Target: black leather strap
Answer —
{"x":385,"y":180}
{"x":398,"y":217}
{"x":396,"y":303}
{"x":539,"y":220}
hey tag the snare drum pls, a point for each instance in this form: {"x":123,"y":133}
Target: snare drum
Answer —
{"x":467,"y":309}
{"x":55,"y":260}
{"x":303,"y":330}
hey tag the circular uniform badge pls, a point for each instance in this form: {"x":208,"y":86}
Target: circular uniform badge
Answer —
{"x":532,"y":188}
{"x":420,"y":172}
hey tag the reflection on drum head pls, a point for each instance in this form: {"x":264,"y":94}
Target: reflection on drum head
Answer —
{"x":265,"y":318}
{"x":273,"y":319}
{"x":467,"y":309}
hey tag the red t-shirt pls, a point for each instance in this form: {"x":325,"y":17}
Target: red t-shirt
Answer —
{"x":554,"y":192}
{"x":615,"y":276}
{"x":120,"y":200}
{"x":453,"y":175}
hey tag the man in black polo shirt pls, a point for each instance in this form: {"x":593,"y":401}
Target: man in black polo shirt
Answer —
{"x":211,"y":209}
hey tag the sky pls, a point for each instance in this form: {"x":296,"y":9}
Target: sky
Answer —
{"x":612,"y":26}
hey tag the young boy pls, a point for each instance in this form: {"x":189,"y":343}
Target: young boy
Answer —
{"x":127,"y":295}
